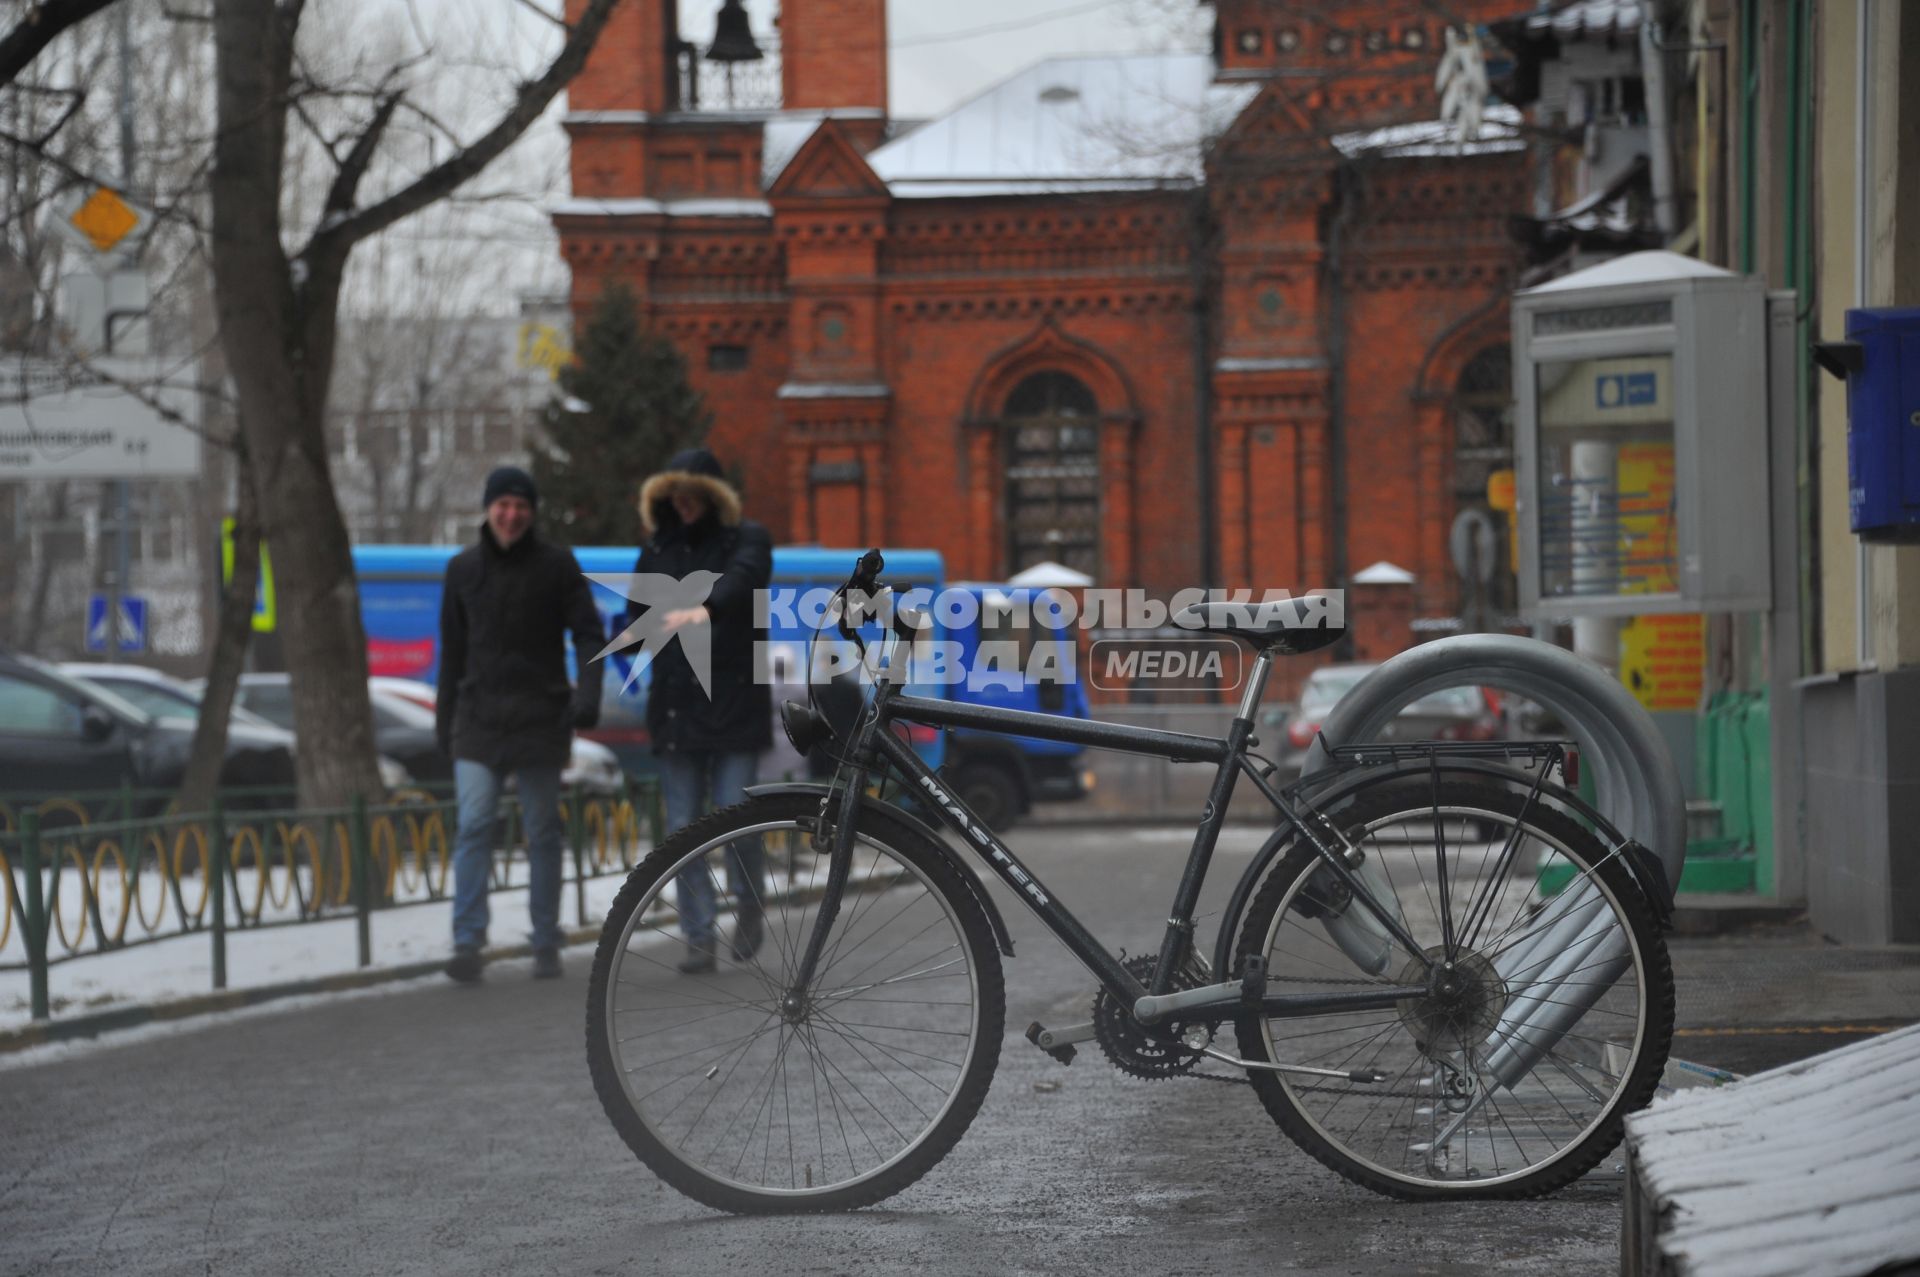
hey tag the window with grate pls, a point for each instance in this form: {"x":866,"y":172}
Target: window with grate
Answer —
{"x":1483,"y":443}
{"x":1052,"y":447}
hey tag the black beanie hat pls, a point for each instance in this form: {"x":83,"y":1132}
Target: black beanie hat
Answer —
{"x":509,"y":481}
{"x":697,"y":461}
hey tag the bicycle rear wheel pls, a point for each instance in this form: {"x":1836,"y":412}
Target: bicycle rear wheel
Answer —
{"x":1552,"y":1014}
{"x":750,"y":1103}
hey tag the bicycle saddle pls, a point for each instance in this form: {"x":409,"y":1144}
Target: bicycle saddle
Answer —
{"x":1289,"y":627}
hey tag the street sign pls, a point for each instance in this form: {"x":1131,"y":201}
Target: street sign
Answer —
{"x":106,"y":419}
{"x":105,"y":219}
{"x":264,"y":611}
{"x":107,"y":228}
{"x":133,"y":623}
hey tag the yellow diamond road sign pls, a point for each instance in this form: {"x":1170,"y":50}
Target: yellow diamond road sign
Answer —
{"x":105,"y":219}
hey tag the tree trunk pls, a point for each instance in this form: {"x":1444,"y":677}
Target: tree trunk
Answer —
{"x":233,"y":631}
{"x":278,"y":324}
{"x":277,"y":332}
{"x":34,"y":622}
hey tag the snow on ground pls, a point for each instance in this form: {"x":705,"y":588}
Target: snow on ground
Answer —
{"x":183,"y":967}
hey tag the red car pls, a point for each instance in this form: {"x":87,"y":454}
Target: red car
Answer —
{"x":1453,"y":713}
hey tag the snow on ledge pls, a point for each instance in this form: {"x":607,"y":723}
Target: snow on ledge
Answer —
{"x":835,"y":390}
{"x":583,"y":207}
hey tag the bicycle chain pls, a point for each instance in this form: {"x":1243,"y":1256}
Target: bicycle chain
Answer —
{"x":1334,"y":1090}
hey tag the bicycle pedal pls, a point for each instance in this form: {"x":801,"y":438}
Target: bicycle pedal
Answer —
{"x":1038,"y":1035}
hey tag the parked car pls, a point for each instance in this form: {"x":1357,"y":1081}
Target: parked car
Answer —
{"x":1453,"y":713}
{"x":399,"y":731}
{"x":164,"y":696}
{"x":160,"y":694}
{"x":589,"y":765}
{"x":403,"y":729}
{"x":59,"y":735}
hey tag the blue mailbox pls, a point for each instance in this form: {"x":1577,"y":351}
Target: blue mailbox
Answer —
{"x":1880,"y":361}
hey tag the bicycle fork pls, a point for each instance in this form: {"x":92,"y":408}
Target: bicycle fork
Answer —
{"x":794,"y":1002}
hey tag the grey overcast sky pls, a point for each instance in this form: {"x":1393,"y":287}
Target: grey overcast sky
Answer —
{"x":944,"y":52}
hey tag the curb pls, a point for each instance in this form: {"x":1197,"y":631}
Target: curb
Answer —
{"x":1716,"y":914}
{"x":91,"y":1026}
{"x":101,"y":1022}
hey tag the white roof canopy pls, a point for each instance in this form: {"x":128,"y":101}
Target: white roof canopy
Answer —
{"x":1383,"y":573}
{"x":1050,"y":575}
{"x":1088,"y":123}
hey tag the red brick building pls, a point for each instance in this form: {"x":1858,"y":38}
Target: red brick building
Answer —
{"x":1171,"y":319}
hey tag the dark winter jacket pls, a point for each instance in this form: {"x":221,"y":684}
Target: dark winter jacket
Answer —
{"x":504,"y":617}
{"x":680,"y":717}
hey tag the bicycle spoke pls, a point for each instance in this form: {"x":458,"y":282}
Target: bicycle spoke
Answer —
{"x":726,"y":1079}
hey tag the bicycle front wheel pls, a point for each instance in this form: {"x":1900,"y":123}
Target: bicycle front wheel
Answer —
{"x":752,"y":1096}
{"x":1551,"y":1010}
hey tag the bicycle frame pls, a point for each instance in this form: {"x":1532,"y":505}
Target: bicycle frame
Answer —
{"x":872,"y":741}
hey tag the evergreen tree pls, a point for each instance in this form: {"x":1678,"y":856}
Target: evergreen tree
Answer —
{"x":623,"y":408}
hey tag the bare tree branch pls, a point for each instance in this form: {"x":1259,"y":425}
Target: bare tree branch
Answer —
{"x":346,"y":183}
{"x":554,"y":18}
{"x":444,"y":178}
{"x":43,"y":23}
{"x":297,"y":103}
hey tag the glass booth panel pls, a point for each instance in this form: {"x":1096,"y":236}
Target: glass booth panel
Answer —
{"x":1608,"y":517}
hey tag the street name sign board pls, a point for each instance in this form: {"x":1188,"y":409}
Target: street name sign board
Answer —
{"x":106,"y":419}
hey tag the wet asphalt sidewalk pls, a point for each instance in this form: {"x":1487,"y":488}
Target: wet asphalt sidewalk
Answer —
{"x":431,"y":1129}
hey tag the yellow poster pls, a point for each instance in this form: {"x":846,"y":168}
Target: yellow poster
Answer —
{"x":1649,"y":539}
{"x":1663,"y":659}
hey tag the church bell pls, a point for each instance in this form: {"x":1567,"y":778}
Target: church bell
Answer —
{"x":732,"y":37}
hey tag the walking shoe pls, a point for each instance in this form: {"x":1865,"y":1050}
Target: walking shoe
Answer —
{"x":465,"y":965}
{"x":748,"y":930}
{"x":699,"y":959}
{"x":546,"y":964}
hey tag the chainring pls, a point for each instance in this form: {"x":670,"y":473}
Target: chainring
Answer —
{"x":1127,"y":1043}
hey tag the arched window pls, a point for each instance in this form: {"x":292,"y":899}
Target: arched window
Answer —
{"x":1052,"y":434}
{"x":1482,"y":444}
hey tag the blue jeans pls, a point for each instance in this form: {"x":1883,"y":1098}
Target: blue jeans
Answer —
{"x":689,"y":782}
{"x":477,"y":787}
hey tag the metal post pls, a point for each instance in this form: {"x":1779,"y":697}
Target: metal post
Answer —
{"x":362,"y":879}
{"x":217,"y":872}
{"x":36,"y":920}
{"x":577,"y":838}
{"x":117,"y":580}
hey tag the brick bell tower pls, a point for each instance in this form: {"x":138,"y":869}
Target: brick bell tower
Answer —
{"x":833,"y":55}
{"x":748,"y":225}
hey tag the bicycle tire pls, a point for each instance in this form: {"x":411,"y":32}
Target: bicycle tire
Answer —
{"x":1447,"y":1061}
{"x":875,"y":1062}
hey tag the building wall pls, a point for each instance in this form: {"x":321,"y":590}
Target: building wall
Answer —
{"x":883,"y":335}
{"x":1862,"y":765}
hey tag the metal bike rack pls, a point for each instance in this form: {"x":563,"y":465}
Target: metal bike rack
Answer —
{"x":1637,"y":788}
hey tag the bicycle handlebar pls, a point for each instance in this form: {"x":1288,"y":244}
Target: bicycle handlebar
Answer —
{"x":866,"y":572}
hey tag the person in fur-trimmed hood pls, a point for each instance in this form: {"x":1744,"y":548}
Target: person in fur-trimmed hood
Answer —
{"x":708,"y":747}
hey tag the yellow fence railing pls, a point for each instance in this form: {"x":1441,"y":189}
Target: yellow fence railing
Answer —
{"x":73,"y":887}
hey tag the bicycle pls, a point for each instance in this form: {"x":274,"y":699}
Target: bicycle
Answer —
{"x":1410,"y":1008}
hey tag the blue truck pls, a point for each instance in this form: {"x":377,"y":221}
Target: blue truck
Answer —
{"x":1000,"y":777}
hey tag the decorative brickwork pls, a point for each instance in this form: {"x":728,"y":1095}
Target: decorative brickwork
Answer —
{"x":860,"y":345}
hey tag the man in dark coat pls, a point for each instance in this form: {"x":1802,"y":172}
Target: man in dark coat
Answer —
{"x":709,"y":745}
{"x":506,"y":708}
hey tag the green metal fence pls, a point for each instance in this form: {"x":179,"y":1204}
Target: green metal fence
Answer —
{"x":77,"y":886}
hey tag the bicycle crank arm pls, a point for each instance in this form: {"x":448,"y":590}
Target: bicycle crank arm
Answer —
{"x":1059,"y":1042}
{"x":1046,"y":1039}
{"x":1307,"y":1070}
{"x":1227,"y":1000}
